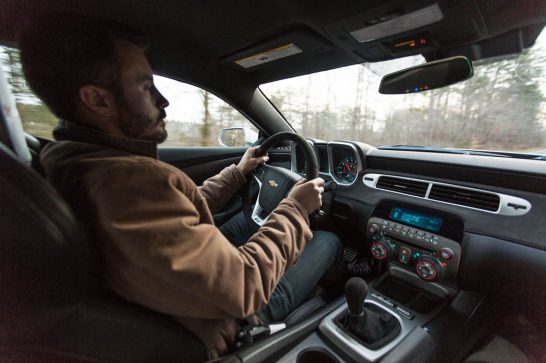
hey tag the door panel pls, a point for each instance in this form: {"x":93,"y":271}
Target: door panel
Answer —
{"x":200,"y":163}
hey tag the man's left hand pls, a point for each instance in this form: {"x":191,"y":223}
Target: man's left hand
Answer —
{"x":249,"y":161}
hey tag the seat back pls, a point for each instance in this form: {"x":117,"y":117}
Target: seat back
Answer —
{"x":52,"y":304}
{"x":43,"y":272}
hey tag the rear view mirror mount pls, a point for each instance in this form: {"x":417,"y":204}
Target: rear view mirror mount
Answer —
{"x":428,"y":76}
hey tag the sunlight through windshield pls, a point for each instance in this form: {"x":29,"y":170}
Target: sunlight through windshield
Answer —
{"x":502,"y":107}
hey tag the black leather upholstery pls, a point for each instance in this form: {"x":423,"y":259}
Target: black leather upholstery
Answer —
{"x":35,"y":146}
{"x":52,"y":305}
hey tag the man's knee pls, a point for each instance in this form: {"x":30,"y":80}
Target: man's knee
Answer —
{"x":330,"y":245}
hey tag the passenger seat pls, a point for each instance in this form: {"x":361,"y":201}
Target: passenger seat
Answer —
{"x":498,"y":350}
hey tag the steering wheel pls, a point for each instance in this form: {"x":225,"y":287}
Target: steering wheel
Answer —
{"x":274,"y":182}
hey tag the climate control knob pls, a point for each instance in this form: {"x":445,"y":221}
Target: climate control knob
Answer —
{"x":382,"y":250}
{"x":429,"y":269}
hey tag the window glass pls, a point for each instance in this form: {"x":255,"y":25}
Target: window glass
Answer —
{"x":195,"y":117}
{"x":35,"y":116}
{"x":502,"y":107}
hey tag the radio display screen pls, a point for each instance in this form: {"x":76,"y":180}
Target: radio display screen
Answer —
{"x":417,"y":219}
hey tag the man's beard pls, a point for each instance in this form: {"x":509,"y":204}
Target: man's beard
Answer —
{"x":137,"y":125}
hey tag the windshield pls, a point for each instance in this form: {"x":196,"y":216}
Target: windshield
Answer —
{"x":502,"y":107}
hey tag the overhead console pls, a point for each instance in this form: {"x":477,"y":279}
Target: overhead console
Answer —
{"x":401,"y":28}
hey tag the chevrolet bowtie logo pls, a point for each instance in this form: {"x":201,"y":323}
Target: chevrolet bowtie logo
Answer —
{"x":273,"y":183}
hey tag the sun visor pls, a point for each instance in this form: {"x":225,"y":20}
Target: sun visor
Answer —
{"x":513,"y":42}
{"x":301,"y":51}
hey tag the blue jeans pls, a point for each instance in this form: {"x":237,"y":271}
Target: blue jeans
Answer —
{"x":320,"y":254}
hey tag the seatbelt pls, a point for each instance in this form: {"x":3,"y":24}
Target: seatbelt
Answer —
{"x":249,"y":334}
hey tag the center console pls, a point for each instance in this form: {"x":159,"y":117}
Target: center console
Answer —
{"x":420,"y":251}
{"x":417,"y":253}
{"x":423,"y":241}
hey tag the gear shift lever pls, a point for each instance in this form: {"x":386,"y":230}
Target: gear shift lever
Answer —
{"x":356,"y":290}
{"x":370,"y":325}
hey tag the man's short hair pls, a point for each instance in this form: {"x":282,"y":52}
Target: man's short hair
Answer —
{"x":63,"y":53}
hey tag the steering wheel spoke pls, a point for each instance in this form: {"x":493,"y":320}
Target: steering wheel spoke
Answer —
{"x":259,"y":172}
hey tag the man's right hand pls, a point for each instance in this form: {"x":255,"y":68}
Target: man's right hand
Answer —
{"x":308,"y":193}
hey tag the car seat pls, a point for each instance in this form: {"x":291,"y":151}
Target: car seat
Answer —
{"x":52,"y":303}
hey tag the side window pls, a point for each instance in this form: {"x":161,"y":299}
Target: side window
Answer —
{"x":196,"y":117}
{"x":35,"y":116}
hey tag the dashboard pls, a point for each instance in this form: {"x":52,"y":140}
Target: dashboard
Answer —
{"x":456,"y":242}
{"x":403,"y":201}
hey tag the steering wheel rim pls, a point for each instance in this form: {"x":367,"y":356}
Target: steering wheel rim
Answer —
{"x":311,"y":169}
{"x":274,"y":182}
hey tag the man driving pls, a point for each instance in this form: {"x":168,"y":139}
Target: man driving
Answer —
{"x":152,"y":225}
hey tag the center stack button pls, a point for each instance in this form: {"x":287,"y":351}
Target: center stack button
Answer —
{"x":404,"y":254}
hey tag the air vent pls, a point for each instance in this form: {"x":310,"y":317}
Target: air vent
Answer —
{"x":466,"y":197}
{"x":406,"y":186}
{"x":486,"y":201}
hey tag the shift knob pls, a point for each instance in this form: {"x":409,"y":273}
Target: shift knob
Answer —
{"x":356,"y":290}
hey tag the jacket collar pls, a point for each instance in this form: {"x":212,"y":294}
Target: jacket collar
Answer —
{"x":73,"y":131}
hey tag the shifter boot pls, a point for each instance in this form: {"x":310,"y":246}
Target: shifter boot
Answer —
{"x":374,"y":328}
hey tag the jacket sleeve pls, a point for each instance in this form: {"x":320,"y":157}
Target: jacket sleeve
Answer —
{"x":162,"y":254}
{"x":219,"y":189}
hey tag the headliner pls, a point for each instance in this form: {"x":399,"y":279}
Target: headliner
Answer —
{"x":198,"y":41}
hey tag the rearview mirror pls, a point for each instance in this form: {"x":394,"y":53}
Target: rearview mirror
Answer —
{"x":427,"y":76}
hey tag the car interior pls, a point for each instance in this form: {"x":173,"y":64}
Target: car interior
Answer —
{"x":444,"y":253}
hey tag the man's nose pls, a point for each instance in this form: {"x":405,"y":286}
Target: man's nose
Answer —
{"x":162,"y":102}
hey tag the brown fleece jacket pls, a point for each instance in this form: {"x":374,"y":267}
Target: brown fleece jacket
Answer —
{"x":155,"y":231}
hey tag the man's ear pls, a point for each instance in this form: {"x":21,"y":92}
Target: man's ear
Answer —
{"x":98,"y":100}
